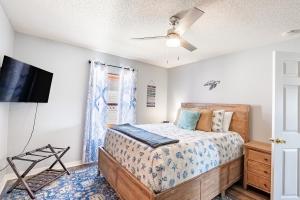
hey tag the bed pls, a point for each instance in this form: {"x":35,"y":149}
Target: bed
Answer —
{"x":201,"y":166}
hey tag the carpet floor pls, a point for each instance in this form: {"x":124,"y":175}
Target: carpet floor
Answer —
{"x":83,"y":183}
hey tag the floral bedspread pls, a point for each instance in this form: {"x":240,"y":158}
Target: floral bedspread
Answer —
{"x":164,"y":167}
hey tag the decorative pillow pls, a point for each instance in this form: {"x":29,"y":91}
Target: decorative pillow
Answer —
{"x":205,"y":120}
{"x":179,"y":111}
{"x":217,"y":120}
{"x":188,"y":119}
{"x":227,"y":121}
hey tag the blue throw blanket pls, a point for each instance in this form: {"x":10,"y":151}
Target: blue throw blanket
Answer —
{"x":146,"y":137}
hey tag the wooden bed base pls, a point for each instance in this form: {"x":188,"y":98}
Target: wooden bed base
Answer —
{"x":203,"y":187}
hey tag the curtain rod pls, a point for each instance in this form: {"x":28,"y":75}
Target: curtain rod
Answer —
{"x":100,"y":63}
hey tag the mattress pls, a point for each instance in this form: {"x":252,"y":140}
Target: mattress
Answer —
{"x":167,"y":166}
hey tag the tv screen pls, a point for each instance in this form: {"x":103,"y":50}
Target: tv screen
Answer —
{"x":21,"y":82}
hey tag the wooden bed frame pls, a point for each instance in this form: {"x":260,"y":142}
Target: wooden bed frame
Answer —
{"x":203,"y":187}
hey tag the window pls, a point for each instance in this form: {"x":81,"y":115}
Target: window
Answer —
{"x":113,"y":96}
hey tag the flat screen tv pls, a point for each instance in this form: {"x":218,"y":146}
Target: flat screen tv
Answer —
{"x":21,"y":82}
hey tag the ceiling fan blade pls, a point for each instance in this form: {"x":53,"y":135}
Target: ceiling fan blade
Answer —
{"x":181,"y":14}
{"x":149,"y":38}
{"x":188,"y":20}
{"x":185,"y":44}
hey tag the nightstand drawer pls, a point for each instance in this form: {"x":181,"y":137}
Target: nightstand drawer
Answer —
{"x":257,"y":165}
{"x":259,"y":157}
{"x":259,"y":182}
{"x":259,"y":168}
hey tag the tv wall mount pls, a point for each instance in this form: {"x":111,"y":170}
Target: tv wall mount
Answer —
{"x":36,"y":182}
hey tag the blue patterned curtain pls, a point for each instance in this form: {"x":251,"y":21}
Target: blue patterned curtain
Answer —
{"x":127,"y":97}
{"x":96,"y":112}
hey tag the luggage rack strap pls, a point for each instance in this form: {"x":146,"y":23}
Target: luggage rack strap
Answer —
{"x":48,"y":154}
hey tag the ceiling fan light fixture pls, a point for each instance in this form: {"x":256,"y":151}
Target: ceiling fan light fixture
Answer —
{"x":173,"y":41}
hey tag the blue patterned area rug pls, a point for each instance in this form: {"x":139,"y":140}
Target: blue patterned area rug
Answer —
{"x":81,"y":184}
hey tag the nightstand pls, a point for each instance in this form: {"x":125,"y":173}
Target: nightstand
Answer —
{"x":257,"y":165}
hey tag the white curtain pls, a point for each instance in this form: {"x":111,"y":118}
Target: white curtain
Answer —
{"x":127,"y":97}
{"x":96,"y":112}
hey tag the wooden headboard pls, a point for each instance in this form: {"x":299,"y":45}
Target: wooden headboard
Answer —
{"x":240,"y":117}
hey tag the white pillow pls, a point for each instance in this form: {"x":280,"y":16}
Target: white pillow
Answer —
{"x":177,"y":116}
{"x":217,"y":121}
{"x":227,"y":121}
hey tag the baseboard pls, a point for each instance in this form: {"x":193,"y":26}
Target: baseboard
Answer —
{"x":12,"y":176}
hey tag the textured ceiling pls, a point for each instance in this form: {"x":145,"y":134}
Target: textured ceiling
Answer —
{"x":107,"y":25}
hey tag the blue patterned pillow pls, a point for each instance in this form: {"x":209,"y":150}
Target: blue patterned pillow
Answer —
{"x":188,"y":119}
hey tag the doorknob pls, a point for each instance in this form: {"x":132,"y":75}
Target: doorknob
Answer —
{"x":277,"y":141}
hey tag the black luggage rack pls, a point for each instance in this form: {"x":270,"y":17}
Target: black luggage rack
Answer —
{"x":36,"y":182}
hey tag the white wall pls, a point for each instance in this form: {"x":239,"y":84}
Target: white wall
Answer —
{"x":246,"y":78}
{"x":60,"y":122}
{"x":6,"y":48}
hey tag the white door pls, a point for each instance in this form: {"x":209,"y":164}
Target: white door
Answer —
{"x":286,"y":126}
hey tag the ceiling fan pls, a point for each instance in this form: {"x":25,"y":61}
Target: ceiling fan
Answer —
{"x":180,"y":23}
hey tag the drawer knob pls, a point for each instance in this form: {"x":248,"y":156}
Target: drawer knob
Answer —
{"x":265,"y":172}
